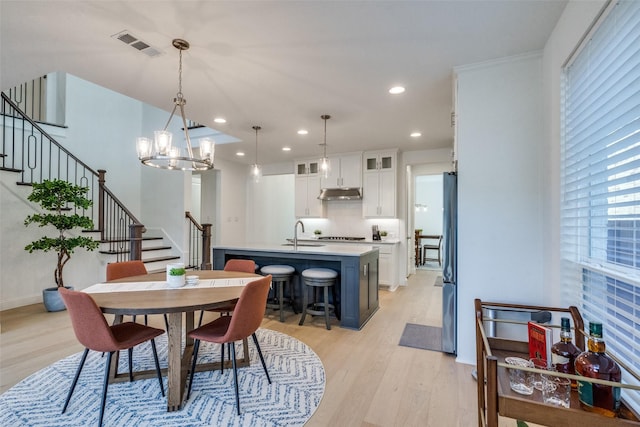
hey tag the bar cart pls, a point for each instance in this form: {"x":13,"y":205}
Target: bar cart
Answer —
{"x":495,"y":397}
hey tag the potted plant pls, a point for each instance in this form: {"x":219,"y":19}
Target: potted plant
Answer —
{"x":59,"y":201}
{"x":317,"y":232}
{"x":383,"y":235}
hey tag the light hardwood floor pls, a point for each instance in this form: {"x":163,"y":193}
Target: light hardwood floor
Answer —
{"x":371,"y":380}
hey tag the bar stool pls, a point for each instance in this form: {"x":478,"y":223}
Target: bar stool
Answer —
{"x":315,"y":278}
{"x":280,"y":276}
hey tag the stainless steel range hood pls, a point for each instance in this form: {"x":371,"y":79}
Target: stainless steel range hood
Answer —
{"x":340,"y":194}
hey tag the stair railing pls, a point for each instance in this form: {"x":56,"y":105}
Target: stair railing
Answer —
{"x":27,"y":149}
{"x":199,"y":244}
{"x":30,"y":97}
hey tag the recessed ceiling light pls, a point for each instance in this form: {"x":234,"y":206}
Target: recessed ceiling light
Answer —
{"x":240,"y":153}
{"x":415,"y":134}
{"x":396,"y":90}
{"x":303,"y":132}
{"x":286,"y":148}
{"x":220,"y":120}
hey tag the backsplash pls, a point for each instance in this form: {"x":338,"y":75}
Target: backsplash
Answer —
{"x":344,"y":218}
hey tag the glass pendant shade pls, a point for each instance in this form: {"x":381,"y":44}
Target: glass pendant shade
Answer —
{"x":256,"y":172}
{"x":207,"y":149}
{"x":325,"y":167}
{"x":144,"y":147}
{"x":163,"y":142}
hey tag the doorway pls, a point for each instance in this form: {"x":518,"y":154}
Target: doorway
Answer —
{"x":427,"y":218}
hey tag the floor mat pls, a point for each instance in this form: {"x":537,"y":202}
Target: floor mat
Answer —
{"x":438,"y":281}
{"x":422,"y":337}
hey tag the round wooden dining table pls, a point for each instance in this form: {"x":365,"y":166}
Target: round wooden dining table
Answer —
{"x":175,"y":303}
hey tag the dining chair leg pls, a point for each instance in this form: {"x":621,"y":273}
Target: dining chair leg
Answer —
{"x":130,"y":353}
{"x":222,"y":358}
{"x":201,"y":315}
{"x":235,"y":377}
{"x":196,"y":347}
{"x":264,"y":365}
{"x":166,"y":322}
{"x":155,"y":359}
{"x":75,"y":379}
{"x":107,"y":368}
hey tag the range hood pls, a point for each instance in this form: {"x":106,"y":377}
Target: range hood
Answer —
{"x":340,"y":194}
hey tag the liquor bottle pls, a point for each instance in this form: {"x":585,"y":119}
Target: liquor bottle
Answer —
{"x":594,"y":363}
{"x":564,"y":352}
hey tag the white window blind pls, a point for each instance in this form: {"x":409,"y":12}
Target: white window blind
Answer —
{"x":600,"y":222}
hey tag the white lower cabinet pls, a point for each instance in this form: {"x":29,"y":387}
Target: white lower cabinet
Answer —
{"x":388,"y":265}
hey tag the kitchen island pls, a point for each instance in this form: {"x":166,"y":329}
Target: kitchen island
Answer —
{"x":357,"y":267}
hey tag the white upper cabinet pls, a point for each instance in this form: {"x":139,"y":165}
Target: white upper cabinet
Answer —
{"x":345,"y":172}
{"x":379,"y":189}
{"x":307,"y":190}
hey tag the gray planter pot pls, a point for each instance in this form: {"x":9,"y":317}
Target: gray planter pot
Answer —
{"x":52,"y":299}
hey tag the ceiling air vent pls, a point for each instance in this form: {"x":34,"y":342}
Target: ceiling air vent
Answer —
{"x":127,"y":38}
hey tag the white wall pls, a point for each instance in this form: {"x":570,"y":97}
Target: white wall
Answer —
{"x":270,"y":209}
{"x":102,"y":129}
{"x":428,"y":214}
{"x":508,"y":278}
{"x":500,"y":191}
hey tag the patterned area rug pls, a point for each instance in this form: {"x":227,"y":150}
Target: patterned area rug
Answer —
{"x":297,"y":376}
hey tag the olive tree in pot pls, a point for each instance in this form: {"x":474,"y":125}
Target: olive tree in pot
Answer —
{"x":60,"y":202}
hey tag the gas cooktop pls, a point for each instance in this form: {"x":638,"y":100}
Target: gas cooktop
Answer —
{"x":341,"y":238}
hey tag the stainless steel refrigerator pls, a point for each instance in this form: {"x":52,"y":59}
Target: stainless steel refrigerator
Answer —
{"x":449,"y":262}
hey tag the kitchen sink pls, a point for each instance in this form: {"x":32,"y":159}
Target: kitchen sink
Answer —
{"x":315,"y":245}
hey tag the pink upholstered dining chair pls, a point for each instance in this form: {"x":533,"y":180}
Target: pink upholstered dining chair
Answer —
{"x":92,"y":330}
{"x":119,"y":270}
{"x":122,"y":269}
{"x":244,"y":321}
{"x":239,"y":265}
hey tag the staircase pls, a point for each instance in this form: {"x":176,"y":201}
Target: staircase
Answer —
{"x":28,"y":151}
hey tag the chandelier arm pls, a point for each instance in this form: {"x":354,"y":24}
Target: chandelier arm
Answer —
{"x":173,"y":112}
{"x":186,"y":131}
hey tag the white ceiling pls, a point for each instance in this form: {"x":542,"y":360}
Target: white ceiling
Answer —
{"x":281,"y":64}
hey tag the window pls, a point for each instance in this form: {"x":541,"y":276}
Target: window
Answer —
{"x":601,"y":182}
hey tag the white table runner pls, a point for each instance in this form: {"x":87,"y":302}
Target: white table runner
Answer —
{"x":146,"y":286}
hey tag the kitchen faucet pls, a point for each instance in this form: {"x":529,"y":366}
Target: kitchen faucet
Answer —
{"x":295,"y":234}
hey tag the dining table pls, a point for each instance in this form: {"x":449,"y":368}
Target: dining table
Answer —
{"x":150,"y":294}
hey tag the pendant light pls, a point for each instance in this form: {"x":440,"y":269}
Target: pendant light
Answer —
{"x":256,"y":169}
{"x":161,"y":153}
{"x":325,"y":166}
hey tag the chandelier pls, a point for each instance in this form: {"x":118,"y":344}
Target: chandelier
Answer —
{"x":256,"y":169}
{"x":325,"y":166}
{"x":161,"y":152}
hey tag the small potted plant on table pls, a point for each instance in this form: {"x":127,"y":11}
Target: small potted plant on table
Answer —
{"x":60,"y":201}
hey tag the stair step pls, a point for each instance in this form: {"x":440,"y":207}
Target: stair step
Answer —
{"x":155,"y":248}
{"x":10,"y":169}
{"x":144,"y":239}
{"x":149,"y":249}
{"x":160,"y":259}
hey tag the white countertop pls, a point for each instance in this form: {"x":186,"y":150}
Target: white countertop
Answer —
{"x":325,"y":249}
{"x":390,"y":241}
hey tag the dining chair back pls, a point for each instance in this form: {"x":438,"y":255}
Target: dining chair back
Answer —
{"x":241,"y":265}
{"x":93,"y":332}
{"x":119,"y":270}
{"x":122,"y":269}
{"x":244,"y":322}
